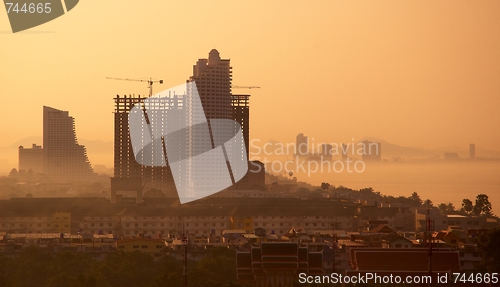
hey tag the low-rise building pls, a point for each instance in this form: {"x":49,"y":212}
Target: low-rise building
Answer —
{"x":152,"y":246}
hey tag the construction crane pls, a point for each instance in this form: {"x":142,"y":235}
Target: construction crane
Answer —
{"x":150,"y":82}
{"x":244,"y":87}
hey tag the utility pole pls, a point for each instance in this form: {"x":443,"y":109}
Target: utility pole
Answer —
{"x":334,"y":248}
{"x":429,"y":240}
{"x":184,"y":270}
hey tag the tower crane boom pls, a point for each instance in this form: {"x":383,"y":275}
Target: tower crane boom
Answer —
{"x":150,"y":82}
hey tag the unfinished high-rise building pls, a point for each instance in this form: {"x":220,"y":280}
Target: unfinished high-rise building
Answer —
{"x":129,"y":175}
{"x":64,"y":160}
{"x":241,"y":114}
{"x":212,"y":77}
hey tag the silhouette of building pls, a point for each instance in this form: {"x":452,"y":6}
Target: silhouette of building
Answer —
{"x":451,"y":156}
{"x":213,"y":78}
{"x":371,"y":151}
{"x":64,"y":159}
{"x":254,"y":179}
{"x":213,"y":84}
{"x":345,"y":151}
{"x":241,"y":114}
{"x":472,"y":151}
{"x":402,"y":262}
{"x":302,"y":145}
{"x":213,"y":81}
{"x":129,"y":175}
{"x":277,"y":264}
{"x":31,"y":159}
{"x":327,"y":151}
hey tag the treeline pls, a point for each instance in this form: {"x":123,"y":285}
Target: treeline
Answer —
{"x":36,"y":268}
{"x":480,"y":207}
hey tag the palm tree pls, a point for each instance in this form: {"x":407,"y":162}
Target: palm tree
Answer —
{"x":467,"y":205}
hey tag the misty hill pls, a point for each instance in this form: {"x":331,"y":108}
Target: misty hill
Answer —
{"x":94,"y":146}
{"x":25,"y":142}
{"x":390,"y":150}
{"x":394,"y":150}
{"x":98,"y":151}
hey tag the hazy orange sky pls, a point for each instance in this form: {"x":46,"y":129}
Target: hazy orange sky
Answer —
{"x":415,"y":73}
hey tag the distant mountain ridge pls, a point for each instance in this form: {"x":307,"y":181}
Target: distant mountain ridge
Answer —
{"x":99,"y":152}
{"x":92,"y":145}
{"x":394,"y":150}
{"x":390,"y":150}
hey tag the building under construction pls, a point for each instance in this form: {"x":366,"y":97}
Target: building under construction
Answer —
{"x":129,"y":175}
{"x":213,"y":82}
{"x":241,"y":114}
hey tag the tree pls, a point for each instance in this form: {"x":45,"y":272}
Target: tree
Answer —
{"x":14,"y":173}
{"x":443,"y":208}
{"x":21,"y":175}
{"x":216,"y":268}
{"x":451,"y":208}
{"x":30,"y":175}
{"x":302,"y":191}
{"x":415,"y":198}
{"x":316,"y":194}
{"x":368,"y":192}
{"x":171,"y":272}
{"x":325,"y":186}
{"x":483,"y":205}
{"x":446,"y":208}
{"x":488,"y":244}
{"x":127,"y":269}
{"x":467,"y":205}
{"x":428,"y":203}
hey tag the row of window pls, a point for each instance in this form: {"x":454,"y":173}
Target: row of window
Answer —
{"x":172,"y":217}
{"x":451,"y":222}
{"x":101,"y":225}
{"x":31,"y":218}
{"x":170,"y":224}
{"x":156,"y":232}
{"x":22,"y":225}
{"x":284,"y":217}
{"x":298,"y":224}
{"x":142,"y":246}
